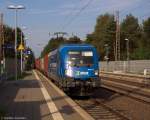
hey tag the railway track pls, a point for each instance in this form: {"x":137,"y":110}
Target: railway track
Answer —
{"x":107,"y":108}
{"x":134,"y":88}
{"x":100,"y":111}
{"x":131,"y":78}
{"x":101,"y":107}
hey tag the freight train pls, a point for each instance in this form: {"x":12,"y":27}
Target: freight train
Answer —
{"x":72,"y":67}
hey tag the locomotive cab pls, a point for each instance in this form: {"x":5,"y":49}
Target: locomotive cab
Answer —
{"x":80,"y":66}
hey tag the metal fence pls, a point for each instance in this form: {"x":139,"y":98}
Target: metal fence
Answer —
{"x":9,"y":69}
{"x":133,"y":66}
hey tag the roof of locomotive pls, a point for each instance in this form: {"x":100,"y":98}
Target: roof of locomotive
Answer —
{"x":75,"y":46}
{"x":68,"y":46}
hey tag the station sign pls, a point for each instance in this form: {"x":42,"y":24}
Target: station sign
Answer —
{"x":27,"y":52}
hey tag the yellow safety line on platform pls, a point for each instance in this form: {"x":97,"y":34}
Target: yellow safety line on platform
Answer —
{"x":51,"y":105}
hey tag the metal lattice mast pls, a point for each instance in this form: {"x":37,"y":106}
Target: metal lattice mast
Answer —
{"x":117,"y":43}
{"x":60,"y":33}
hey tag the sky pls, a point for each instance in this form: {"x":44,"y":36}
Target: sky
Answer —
{"x":77,"y":17}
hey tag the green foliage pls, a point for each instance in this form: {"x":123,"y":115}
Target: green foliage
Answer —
{"x":138,"y":36}
{"x":104,"y":33}
{"x":146,"y":27}
{"x":54,"y":43}
{"x":90,"y":38}
{"x":146,"y":33}
{"x":9,"y":39}
{"x":141,"y":53}
{"x":73,"y":39}
{"x":131,"y":30}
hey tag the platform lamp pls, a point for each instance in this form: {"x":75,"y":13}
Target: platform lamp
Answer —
{"x":128,"y":54}
{"x":16,"y":8}
{"x":21,"y":60}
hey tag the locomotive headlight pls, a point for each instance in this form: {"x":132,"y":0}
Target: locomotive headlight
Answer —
{"x":68,"y":72}
{"x":96,"y":72}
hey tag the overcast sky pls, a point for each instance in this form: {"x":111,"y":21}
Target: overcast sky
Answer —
{"x":44,"y":16}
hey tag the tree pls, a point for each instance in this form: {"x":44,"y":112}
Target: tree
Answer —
{"x":143,"y":50}
{"x":9,"y":40}
{"x":53,"y":44}
{"x":104,"y":33}
{"x":141,"y":53}
{"x":138,"y":36}
{"x":131,"y":30}
{"x":146,"y":30}
{"x":74,"y":39}
{"x":90,"y":38}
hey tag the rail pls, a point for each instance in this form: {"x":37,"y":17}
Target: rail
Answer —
{"x":98,"y":109}
{"x":144,"y":79}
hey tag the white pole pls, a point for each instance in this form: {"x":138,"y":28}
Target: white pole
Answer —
{"x":21,"y":52}
{"x":16,"y":44}
{"x":128,"y":58}
{"x":16,"y":8}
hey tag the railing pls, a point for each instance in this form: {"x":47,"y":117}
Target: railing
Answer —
{"x":147,"y":76}
{"x":135,"y":66}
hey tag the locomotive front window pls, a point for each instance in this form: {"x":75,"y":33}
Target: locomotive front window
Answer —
{"x":80,"y":58}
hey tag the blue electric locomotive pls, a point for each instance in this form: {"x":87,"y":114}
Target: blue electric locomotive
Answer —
{"x":75,"y":68}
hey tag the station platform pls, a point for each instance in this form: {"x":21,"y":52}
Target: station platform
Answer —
{"x":37,"y":98}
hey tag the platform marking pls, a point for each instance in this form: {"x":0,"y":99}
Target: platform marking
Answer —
{"x":74,"y":105}
{"x":51,"y":105}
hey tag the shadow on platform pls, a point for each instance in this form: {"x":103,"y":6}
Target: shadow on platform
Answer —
{"x":23,"y":99}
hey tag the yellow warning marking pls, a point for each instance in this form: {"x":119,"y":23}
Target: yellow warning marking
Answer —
{"x":21,"y":47}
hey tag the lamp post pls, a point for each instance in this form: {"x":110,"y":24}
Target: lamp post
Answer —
{"x":24,"y":57}
{"x":107,"y":53}
{"x":25,"y":42}
{"x":21,"y":60}
{"x":128,"y":54}
{"x":1,"y":45}
{"x":16,"y":8}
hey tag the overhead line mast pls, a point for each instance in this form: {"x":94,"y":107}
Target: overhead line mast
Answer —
{"x":117,"y":42}
{"x":60,"y":33}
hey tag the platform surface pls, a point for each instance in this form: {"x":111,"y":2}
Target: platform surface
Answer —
{"x":34,"y":98}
